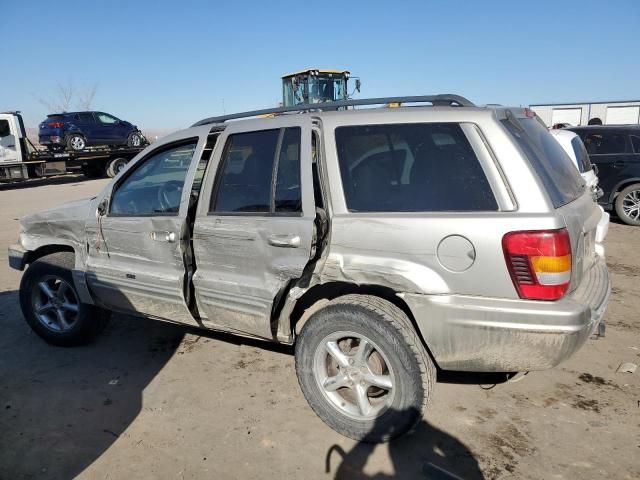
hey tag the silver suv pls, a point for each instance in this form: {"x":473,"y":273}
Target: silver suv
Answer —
{"x":385,"y":243}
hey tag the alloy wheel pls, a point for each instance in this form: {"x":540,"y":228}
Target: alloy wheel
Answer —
{"x":55,"y":303}
{"x":77,"y":143}
{"x":631,"y":205}
{"x":354,"y":374}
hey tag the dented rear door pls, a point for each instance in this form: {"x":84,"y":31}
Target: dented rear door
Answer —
{"x":254,"y":227}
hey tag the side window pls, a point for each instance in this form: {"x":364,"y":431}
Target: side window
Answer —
{"x":4,"y":128}
{"x":605,"y":143}
{"x":635,"y":141}
{"x":108,"y":119}
{"x":288,"y":196}
{"x":425,"y":167}
{"x":246,"y":180}
{"x":84,"y":118}
{"x":247,"y":167}
{"x":154,"y":187}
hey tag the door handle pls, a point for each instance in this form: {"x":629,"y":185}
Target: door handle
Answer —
{"x":168,"y":237}
{"x":619,"y":164}
{"x":284,"y":241}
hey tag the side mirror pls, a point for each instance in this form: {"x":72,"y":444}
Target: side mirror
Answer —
{"x":103,"y":206}
{"x":358,"y":85}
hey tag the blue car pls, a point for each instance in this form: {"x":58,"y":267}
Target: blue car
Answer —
{"x":78,"y":130}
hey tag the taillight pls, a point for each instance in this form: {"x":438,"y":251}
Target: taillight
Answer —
{"x":539,"y":262}
{"x":55,"y":124}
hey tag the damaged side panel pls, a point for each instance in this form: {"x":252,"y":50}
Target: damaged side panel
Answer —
{"x":240,"y":272}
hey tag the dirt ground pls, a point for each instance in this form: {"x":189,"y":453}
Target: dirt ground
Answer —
{"x":153,"y":400}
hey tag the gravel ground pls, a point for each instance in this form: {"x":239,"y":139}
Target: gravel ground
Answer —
{"x":154,"y":400}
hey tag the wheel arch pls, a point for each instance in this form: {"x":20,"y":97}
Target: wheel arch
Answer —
{"x":319,"y":295}
{"x":621,"y":186}
{"x":78,"y":275}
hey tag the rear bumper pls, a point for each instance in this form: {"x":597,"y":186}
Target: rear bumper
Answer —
{"x":50,"y":139}
{"x":501,"y":335}
{"x":17,"y":257}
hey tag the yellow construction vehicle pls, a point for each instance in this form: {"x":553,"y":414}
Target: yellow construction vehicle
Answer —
{"x":316,"y":85}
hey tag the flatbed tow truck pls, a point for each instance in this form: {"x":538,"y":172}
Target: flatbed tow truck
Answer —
{"x":21,"y":160}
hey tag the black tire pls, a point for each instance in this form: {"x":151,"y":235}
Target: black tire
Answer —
{"x":389,"y":328}
{"x":94,"y":170}
{"x":76,"y":142}
{"x":624,"y":200}
{"x":114,"y":166}
{"x":89,"y":320}
{"x":135,"y":139}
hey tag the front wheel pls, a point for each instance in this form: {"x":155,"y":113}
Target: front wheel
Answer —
{"x":628,"y":205}
{"x":363,"y":369}
{"x":115,"y":166}
{"x":134,"y":140}
{"x":51,"y":305}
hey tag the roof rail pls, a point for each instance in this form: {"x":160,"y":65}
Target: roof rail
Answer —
{"x":443,"y":100}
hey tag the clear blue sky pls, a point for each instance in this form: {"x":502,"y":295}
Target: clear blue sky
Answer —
{"x":168,"y":64}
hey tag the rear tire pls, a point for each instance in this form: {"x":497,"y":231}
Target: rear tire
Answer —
{"x":76,"y":142}
{"x":338,"y":385}
{"x":628,"y":205}
{"x":51,"y":305}
{"x":115,"y":166}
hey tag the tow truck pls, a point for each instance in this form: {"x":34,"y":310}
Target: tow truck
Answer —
{"x":20,"y":159}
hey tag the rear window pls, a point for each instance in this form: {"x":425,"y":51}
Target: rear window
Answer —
{"x":546,"y":156}
{"x":584,"y":164}
{"x":425,"y":167}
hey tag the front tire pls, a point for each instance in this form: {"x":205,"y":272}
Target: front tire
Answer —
{"x":363,"y":369}
{"x":115,"y":166}
{"x":76,"y":142}
{"x":51,"y":305}
{"x":628,"y":205}
{"x":134,"y":140}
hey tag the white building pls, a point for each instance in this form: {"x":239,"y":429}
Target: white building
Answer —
{"x":611,"y":113}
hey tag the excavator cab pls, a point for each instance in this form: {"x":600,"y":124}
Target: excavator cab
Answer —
{"x":315,"y":85}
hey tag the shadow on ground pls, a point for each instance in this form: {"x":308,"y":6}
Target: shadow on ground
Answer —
{"x":61,"y":408}
{"x":426,"y":453}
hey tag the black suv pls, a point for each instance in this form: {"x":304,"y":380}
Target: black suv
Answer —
{"x":615,"y":150}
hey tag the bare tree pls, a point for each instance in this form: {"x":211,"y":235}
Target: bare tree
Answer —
{"x":85,"y":97}
{"x":67,"y":94}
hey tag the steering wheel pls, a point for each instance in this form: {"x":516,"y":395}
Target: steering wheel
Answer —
{"x":169,"y":195}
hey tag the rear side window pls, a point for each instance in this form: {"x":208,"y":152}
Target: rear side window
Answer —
{"x":84,"y":118}
{"x":547,"y":158}
{"x":424,"y":167}
{"x":248,"y":181}
{"x":605,"y":143}
{"x":584,"y":164}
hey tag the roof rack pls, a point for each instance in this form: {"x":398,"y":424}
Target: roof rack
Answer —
{"x":443,"y":100}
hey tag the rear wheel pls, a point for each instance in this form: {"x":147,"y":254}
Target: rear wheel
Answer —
{"x":363,"y":369}
{"x":51,"y":305}
{"x":115,"y":166}
{"x":628,"y":205}
{"x":76,"y":142}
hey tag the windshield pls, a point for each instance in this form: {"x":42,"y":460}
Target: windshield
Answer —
{"x":314,"y":89}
